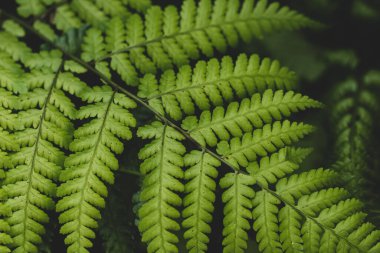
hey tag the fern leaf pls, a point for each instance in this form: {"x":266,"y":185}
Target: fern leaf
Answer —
{"x":240,"y":151}
{"x":44,"y":132}
{"x":329,"y":241}
{"x":140,"y":5}
{"x":92,"y":163}
{"x":89,"y":11}
{"x":28,"y":8}
{"x":355,"y":104}
{"x":115,"y":40}
{"x":266,"y":222}
{"x":45,"y":29}
{"x":13,"y":28}
{"x":290,"y":230}
{"x":162,"y":169}
{"x":10,"y":70}
{"x":15,"y":48}
{"x":213,"y":83}
{"x":7,"y":99}
{"x":272,"y":168}
{"x":237,"y":198}
{"x":199,"y":200}
{"x":330,"y":216}
{"x":5,"y":211}
{"x":65,"y":18}
{"x":238,"y":119}
{"x":319,"y":200}
{"x":44,"y":59}
{"x":305,"y":213}
{"x":164,"y":38}
{"x":352,"y":116}
{"x":300,"y":184}
{"x":311,"y":236}
{"x":97,"y":13}
{"x":93,"y":48}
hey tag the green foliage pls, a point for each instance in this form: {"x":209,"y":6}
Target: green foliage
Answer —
{"x":5,"y":211}
{"x":92,"y":163}
{"x":162,"y":169}
{"x":163,"y":38}
{"x":42,"y":130}
{"x":211,"y":83}
{"x":237,"y":198}
{"x":65,"y":118}
{"x":244,"y":117}
{"x":316,"y":216}
{"x":28,"y":8}
{"x":200,"y":197}
{"x":261,"y":142}
{"x":355,"y":104}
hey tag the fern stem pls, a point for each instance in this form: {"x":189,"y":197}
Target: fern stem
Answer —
{"x":166,"y":121}
{"x":130,"y":172}
{"x":160,"y":215}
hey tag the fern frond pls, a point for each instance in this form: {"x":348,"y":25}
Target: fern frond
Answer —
{"x":7,"y":141}
{"x":372,"y":78}
{"x":279,"y":164}
{"x":5,"y":211}
{"x":7,"y":99}
{"x":241,"y":151}
{"x":212,"y":83}
{"x":277,"y":230}
{"x":8,"y":123}
{"x":94,"y":48}
{"x":199,"y":200}
{"x":335,"y":216}
{"x":355,"y":104}
{"x":65,"y":18}
{"x":77,"y":12}
{"x":311,"y":236}
{"x":319,"y":200}
{"x":265,"y":214}
{"x":305,"y":213}
{"x":115,"y":40}
{"x":92,"y":163}
{"x":251,"y":114}
{"x":344,"y":57}
{"x":13,"y":28}
{"x":45,"y":29}
{"x":237,"y":198}
{"x":301,"y":184}
{"x":164,"y":38}
{"x":290,"y":230}
{"x":44,"y":59}
{"x":28,"y":8}
{"x":44,"y":132}
{"x":10,"y":70}
{"x":159,"y":195}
